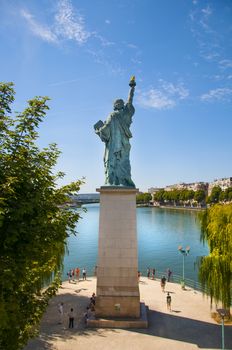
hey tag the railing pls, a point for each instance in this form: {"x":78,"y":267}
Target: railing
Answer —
{"x":176,"y":279}
{"x":195,"y":285}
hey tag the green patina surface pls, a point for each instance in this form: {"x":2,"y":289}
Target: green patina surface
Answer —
{"x":115,"y":133}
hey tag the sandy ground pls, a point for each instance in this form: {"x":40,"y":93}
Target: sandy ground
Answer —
{"x":188,"y":326}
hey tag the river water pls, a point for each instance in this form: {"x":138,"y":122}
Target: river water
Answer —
{"x":160,"y":232}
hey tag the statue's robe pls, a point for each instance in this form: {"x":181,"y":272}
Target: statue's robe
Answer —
{"x":116,"y":134}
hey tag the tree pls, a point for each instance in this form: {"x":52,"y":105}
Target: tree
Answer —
{"x":199,"y":196}
{"x":228,"y":194}
{"x":216,"y":269}
{"x":159,"y":196}
{"x":215,"y":195}
{"x":33,"y":224}
{"x":143,"y":198}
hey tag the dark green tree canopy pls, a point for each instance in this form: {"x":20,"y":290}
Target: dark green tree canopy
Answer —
{"x":179,"y":196}
{"x":143,"y":198}
{"x":33,"y":224}
{"x":215,"y":195}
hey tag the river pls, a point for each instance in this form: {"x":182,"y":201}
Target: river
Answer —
{"x":160,"y":232}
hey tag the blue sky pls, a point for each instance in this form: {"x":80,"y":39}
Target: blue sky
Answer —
{"x":82,"y":53}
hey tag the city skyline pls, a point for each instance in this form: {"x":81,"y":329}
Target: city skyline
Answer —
{"x":83,"y":55}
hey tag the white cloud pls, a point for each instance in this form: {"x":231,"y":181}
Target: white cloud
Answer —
{"x":69,"y":25}
{"x":210,"y":56}
{"x":207,"y":38}
{"x":207,"y":11}
{"x":225,"y":63}
{"x":107,"y":21}
{"x":38,"y":29}
{"x":204,"y":20}
{"x":155,"y":99}
{"x":136,"y":60}
{"x":220,"y":94}
{"x":104,"y":41}
{"x":166,"y":96}
{"x":63,"y":82}
{"x":179,"y":90}
{"x":132,"y":46}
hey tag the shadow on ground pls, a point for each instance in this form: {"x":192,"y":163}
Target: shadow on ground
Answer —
{"x":174,"y":327}
{"x":170,"y":326}
{"x":50,"y":329}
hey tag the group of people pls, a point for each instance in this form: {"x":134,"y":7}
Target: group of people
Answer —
{"x":151,"y":273}
{"x":61,"y":315}
{"x":71,"y":315}
{"x":163,"y":280}
{"x":90,"y":309}
{"x":168,"y":298}
{"x":74,"y":274}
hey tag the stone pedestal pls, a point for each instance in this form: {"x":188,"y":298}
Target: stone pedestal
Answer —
{"x":117,"y":271}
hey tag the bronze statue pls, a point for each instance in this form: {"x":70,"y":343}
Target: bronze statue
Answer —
{"x":115,"y":133}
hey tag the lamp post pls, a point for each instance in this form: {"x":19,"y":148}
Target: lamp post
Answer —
{"x":184,"y":253}
{"x":222,"y":313}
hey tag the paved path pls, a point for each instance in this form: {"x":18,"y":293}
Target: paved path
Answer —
{"x":188,"y":326}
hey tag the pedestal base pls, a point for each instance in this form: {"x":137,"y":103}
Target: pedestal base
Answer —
{"x":116,"y":306}
{"x":117,"y":271}
{"x":141,"y":322}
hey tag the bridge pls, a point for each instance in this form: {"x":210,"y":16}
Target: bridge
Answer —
{"x":85,"y":198}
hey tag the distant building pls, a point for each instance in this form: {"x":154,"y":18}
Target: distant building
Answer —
{"x":223,"y":183}
{"x":194,"y":186}
{"x":154,"y":189}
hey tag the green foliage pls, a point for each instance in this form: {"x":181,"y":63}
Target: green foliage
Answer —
{"x":216,"y":269}
{"x":33,"y":224}
{"x":215,"y":195}
{"x":199,"y":196}
{"x":159,"y":196}
{"x":218,"y":195}
{"x":179,"y":196}
{"x":143,"y":198}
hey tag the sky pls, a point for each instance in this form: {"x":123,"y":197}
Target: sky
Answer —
{"x":82,"y":53}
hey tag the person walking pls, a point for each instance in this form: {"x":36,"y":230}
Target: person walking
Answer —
{"x":69,"y":274}
{"x":73,"y":275}
{"x":71,"y":318}
{"x":148,"y":272}
{"x":153,"y":274}
{"x":162,"y":283}
{"x":84,"y":273}
{"x":61,"y":312}
{"x":169,"y":273}
{"x":77,"y":273}
{"x":169,"y":301}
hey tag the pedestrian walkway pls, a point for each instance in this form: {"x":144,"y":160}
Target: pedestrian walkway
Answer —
{"x":187,"y":326}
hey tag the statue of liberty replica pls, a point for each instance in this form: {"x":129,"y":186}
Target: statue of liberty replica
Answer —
{"x":115,"y":133}
{"x":117,"y":289}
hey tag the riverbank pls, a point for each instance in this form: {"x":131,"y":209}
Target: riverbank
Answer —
{"x":146,"y":205}
{"x":188,"y":326}
{"x":179,"y":207}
